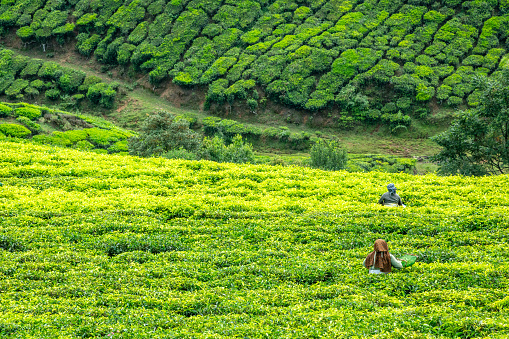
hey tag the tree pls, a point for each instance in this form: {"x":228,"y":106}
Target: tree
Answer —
{"x":477,"y":142}
{"x":163,"y":132}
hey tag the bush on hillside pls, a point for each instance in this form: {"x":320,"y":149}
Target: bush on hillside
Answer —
{"x":328,"y":155}
{"x":32,"y":126}
{"x":14,"y":130}
{"x":162,"y":132}
{"x":214,"y":149}
{"x":5,"y":110}
{"x":52,"y":94}
{"x":28,"y":112}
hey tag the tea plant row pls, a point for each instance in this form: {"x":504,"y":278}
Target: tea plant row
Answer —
{"x":23,"y":78}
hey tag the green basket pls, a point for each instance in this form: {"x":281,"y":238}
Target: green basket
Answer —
{"x":409,"y":260}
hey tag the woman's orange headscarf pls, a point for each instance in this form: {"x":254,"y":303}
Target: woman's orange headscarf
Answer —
{"x":383,"y":257}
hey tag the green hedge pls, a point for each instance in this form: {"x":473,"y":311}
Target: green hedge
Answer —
{"x":21,"y":76}
{"x":14,"y":130}
{"x":28,"y":112}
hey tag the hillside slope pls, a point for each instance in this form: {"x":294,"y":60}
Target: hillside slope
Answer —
{"x":116,"y":246}
{"x":382,"y":61}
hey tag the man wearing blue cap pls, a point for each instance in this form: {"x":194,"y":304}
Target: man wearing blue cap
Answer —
{"x":390,"y":199}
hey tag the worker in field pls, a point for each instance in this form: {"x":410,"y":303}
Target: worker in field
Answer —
{"x":390,"y":198}
{"x":380,"y":260}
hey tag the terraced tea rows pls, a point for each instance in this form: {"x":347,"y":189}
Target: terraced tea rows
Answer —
{"x":115,"y":246}
{"x":367,"y":60}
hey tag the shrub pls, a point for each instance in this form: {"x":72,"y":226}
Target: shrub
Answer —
{"x":16,"y":88}
{"x":102,"y":94}
{"x":424,"y":93}
{"x":119,"y":146}
{"x":28,"y":112}
{"x":31,"y":92}
{"x":25,"y":33}
{"x":87,"y":46}
{"x":32,"y":126}
{"x":102,"y":137}
{"x":214,"y":149}
{"x":84,"y":145}
{"x":52,"y":94}
{"x":180,"y":153}
{"x":443,"y":92}
{"x":89,"y":81}
{"x":70,"y":80}
{"x":31,"y":68}
{"x":454,"y":101}
{"x":162,"y":132}
{"x":14,"y":130}
{"x":139,"y":33}
{"x":328,"y":155}
{"x":5,"y":110}
{"x":239,"y":152}
{"x":38,"y":84}
{"x":124,"y":53}
{"x":50,"y":71}
{"x":73,"y":136}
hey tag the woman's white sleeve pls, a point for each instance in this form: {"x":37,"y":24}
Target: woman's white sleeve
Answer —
{"x":395,"y":262}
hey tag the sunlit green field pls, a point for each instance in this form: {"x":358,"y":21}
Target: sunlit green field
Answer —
{"x":105,"y":246}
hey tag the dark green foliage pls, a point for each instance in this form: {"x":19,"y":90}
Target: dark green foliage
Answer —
{"x":102,"y":93}
{"x":89,"y":81}
{"x":16,"y":88}
{"x":31,"y":69}
{"x":328,"y":155}
{"x":216,"y":92}
{"x":126,"y":17}
{"x":23,"y":77}
{"x":18,"y":62}
{"x":52,"y":94}
{"x":50,"y":71}
{"x":380,"y":163}
{"x":11,"y":244}
{"x":162,"y":132}
{"x":32,"y":126}
{"x":86,"y":44}
{"x":477,"y":141}
{"x":124,"y":53}
{"x":14,"y":130}
{"x":238,"y":152}
{"x":70,"y":80}
{"x":139,"y":33}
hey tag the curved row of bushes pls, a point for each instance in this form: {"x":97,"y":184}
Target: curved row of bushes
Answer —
{"x":227,"y":129}
{"x":22,"y":78}
{"x":91,"y":133}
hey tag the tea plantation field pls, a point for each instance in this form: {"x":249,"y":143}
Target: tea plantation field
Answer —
{"x":107,"y":246}
{"x":374,"y":60}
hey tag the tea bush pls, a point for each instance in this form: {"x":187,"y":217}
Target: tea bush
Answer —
{"x":23,"y":76}
{"x":28,"y":112}
{"x":14,"y":130}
